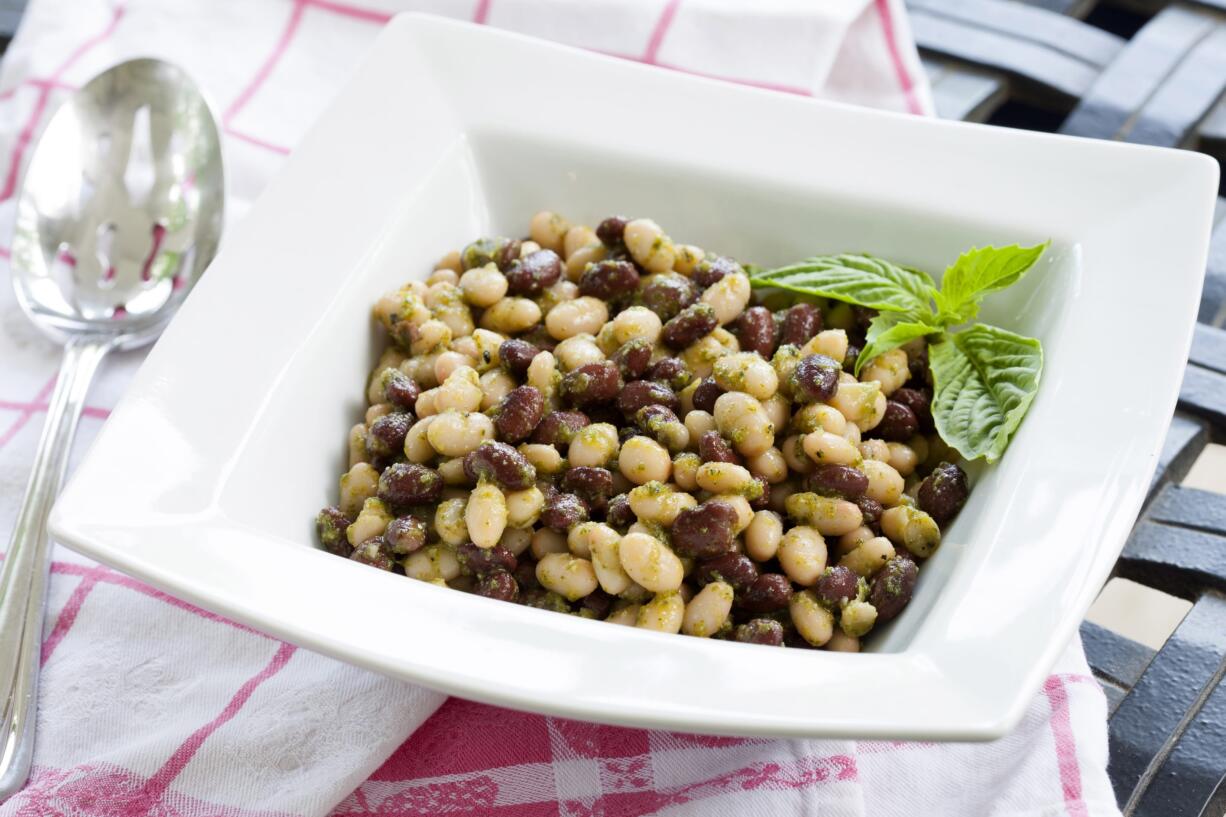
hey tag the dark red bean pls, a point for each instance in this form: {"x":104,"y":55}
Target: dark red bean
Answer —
{"x":597,"y":603}
{"x":610,"y":230}
{"x":898,"y":424}
{"x":534,"y":272}
{"x":385,"y":436}
{"x":762,"y":501}
{"x":943,"y":492}
{"x":539,"y":337}
{"x":405,"y":483}
{"x":501,"y":464}
{"x":481,"y":252}
{"x":870,"y":509}
{"x":668,"y":294}
{"x":836,"y":585}
{"x":757,"y":331}
{"x":710,"y":270}
{"x":632,"y":358}
{"x":405,"y":535}
{"x":592,"y":383}
{"x":671,"y":371}
{"x":559,"y":427}
{"x":768,"y":593}
{"x":652,"y":419}
{"x":509,"y":253}
{"x":519,"y":414}
{"x":373,"y":552}
{"x":712,"y":447}
{"x":706,"y":394}
{"x":917,"y":364}
{"x":919,"y":403}
{"x":642,"y":393}
{"x":542,"y":600}
{"x":605,"y":413}
{"x":863,"y":316}
{"x":498,"y":585}
{"x":525,"y":574}
{"x":609,"y":279}
{"x":482,"y":561}
{"x":815,"y":378}
{"x":401,"y":390}
{"x":563,"y":511}
{"x":800,"y":323}
{"x":733,"y":568}
{"x":330,"y":525}
{"x":692,"y":323}
{"x":618,"y":514}
{"x":593,"y":485}
{"x":849,"y":359}
{"x":760,"y":631}
{"x":838,"y":480}
{"x":516,"y":355}
{"x":892,"y":588}
{"x":706,"y":531}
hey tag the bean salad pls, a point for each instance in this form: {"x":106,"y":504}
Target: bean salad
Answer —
{"x":606,"y":423}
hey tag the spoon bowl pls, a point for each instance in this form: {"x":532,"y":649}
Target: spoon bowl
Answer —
{"x":120,"y":212}
{"x":122,"y":204}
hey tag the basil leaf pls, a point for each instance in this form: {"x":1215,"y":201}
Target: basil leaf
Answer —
{"x":855,"y":279}
{"x":976,"y":273}
{"x":985,"y":379}
{"x":889,"y":330}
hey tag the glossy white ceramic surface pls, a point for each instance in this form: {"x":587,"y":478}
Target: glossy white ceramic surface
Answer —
{"x":206,"y":478}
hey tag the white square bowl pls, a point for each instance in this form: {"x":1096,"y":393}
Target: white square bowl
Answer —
{"x":206,"y":479}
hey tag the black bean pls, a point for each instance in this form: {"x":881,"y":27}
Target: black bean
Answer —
{"x":864,"y":316}
{"x":838,"y":480}
{"x":642,"y":393}
{"x":563,"y":511}
{"x":525,"y":574}
{"x":733,"y":568}
{"x":610,"y":230}
{"x":482,"y":561}
{"x":815,"y":378}
{"x":711,"y":270}
{"x":917,"y":364}
{"x":592,"y":383}
{"x":609,"y":279}
{"x":706,"y":531}
{"x":500,"y":464}
{"x":373,"y":552}
{"x":401,"y":390}
{"x":559,"y":427}
{"x":849,"y":359}
{"x":760,"y":631}
{"x":892,"y":588}
{"x":705,"y":395}
{"x":898,"y":424}
{"x":405,"y":483}
{"x":385,"y":436}
{"x":943,"y":492}
{"x":768,"y":593}
{"x":519,"y":414}
{"x":481,"y":252}
{"x":593,"y":485}
{"x":870,"y":509}
{"x":405,"y":535}
{"x":539,"y":337}
{"x":597,"y":603}
{"x":632,"y":358}
{"x":516,"y":355}
{"x":534,"y":272}
{"x":712,"y":447}
{"x":694,"y":322}
{"x":330,"y":525}
{"x":498,"y":585}
{"x":509,"y":253}
{"x":757,"y":331}
{"x":618,"y":514}
{"x":800,"y":323}
{"x":671,"y":371}
{"x":836,"y":585}
{"x":668,"y":294}
{"x":919,"y":403}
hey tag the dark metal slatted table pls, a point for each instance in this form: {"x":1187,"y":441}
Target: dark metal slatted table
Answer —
{"x":1151,"y":72}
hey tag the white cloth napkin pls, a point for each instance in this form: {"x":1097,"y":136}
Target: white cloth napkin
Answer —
{"x":151,"y":706}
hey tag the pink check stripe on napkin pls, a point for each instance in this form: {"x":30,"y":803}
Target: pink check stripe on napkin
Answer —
{"x":150,"y":705}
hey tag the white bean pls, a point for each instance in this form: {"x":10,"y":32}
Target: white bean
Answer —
{"x":650,"y":563}
{"x":664,"y":613}
{"x":569,"y":576}
{"x":763,"y":536}
{"x":802,"y":555}
{"x":486,"y":515}
{"x":813,"y":621}
{"x":708,"y":610}
{"x":454,"y":433}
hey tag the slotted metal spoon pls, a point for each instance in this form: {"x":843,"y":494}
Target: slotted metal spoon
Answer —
{"x":120,"y":211}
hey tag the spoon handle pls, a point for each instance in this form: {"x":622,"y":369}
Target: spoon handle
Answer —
{"x":23,"y":581}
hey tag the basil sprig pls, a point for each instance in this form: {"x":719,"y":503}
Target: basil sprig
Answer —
{"x":984,"y":378}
